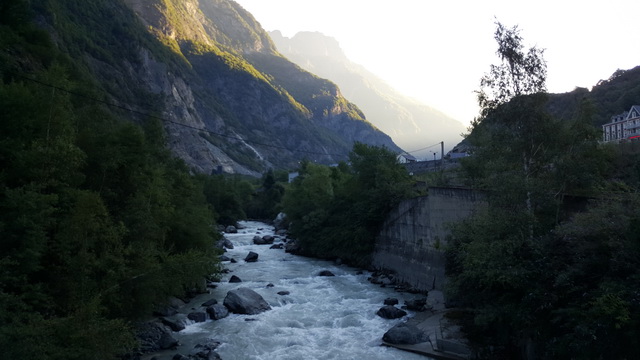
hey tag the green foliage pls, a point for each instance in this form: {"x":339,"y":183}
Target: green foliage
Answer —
{"x":518,"y":74}
{"x":265,"y":202}
{"x":529,"y":260}
{"x":337,"y":212}
{"x":98,"y":222}
{"x":228,"y":196}
{"x":610,"y":97}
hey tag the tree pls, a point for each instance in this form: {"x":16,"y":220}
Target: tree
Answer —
{"x":266,"y":200}
{"x":337,"y":212}
{"x":514,"y":138}
{"x":519,"y":73}
{"x":529,"y":260}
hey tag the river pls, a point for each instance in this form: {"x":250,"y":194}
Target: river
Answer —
{"x":321,"y":317}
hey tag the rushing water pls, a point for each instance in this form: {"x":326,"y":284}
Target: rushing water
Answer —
{"x":321,"y":318}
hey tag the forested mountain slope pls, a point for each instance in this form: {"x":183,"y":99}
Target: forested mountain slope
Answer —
{"x":228,"y":100}
{"x":609,"y":97}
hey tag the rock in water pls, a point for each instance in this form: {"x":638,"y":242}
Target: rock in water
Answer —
{"x":391,"y":301}
{"x":217,"y":311}
{"x":175,"y":323}
{"x":227,"y":243}
{"x":325,"y":273}
{"x":416,"y":304}
{"x":251,"y":257}
{"x":404,"y":334}
{"x":390,"y":312}
{"x":197,"y":316}
{"x":245,"y":301}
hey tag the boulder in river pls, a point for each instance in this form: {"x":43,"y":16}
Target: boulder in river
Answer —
{"x":292,"y":247}
{"x":325,"y":273}
{"x":391,"y":301}
{"x":416,"y":304}
{"x":264,"y":240}
{"x":197,"y":316}
{"x":390,"y":312}
{"x":404,"y":334}
{"x":206,"y":351}
{"x":231,"y":229}
{"x":251,"y":257}
{"x":281,"y":222}
{"x":227,"y":243}
{"x":176,"y":322}
{"x":235,"y":279}
{"x":217,"y":311}
{"x":245,"y":301}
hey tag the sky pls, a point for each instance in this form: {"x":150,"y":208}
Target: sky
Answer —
{"x":437,"y":51}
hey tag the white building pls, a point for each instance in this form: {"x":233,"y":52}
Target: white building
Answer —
{"x":406,"y":158}
{"x":623,"y":126}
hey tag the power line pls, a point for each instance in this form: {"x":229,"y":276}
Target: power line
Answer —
{"x":424,"y":148}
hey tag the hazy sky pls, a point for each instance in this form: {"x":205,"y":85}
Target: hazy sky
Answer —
{"x":437,"y":51}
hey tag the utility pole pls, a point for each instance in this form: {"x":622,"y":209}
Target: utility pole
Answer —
{"x":442,"y":154}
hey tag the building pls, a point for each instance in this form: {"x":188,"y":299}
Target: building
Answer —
{"x":406,"y":158}
{"x":623,"y":126}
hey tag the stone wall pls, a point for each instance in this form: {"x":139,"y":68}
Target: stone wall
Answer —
{"x":414,"y":235}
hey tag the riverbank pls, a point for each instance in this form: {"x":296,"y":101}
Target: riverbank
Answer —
{"x":446,"y":341}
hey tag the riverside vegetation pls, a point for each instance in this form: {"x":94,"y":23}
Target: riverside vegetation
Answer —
{"x":550,"y":269}
{"x":99,"y":222}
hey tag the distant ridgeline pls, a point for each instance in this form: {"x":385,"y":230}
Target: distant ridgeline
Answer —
{"x":610,"y":97}
{"x":227,"y":98}
{"x":410,"y":123}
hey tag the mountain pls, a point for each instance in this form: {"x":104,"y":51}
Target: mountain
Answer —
{"x":610,"y":97}
{"x":410,"y":123}
{"x":228,"y":100}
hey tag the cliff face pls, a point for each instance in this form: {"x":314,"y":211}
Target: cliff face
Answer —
{"x":229,"y":99}
{"x":411,"y":124}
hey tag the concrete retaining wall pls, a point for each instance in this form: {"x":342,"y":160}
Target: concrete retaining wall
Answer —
{"x":413,"y":237}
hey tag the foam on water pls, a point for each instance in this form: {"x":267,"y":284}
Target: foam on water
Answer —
{"x":321,"y":318}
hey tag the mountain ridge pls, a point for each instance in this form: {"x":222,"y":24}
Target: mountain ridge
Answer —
{"x":412,"y":124}
{"x":203,"y":66}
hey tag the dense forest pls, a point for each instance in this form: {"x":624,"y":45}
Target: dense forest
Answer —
{"x":336,"y":212}
{"x":550,"y":269}
{"x":99,"y":222}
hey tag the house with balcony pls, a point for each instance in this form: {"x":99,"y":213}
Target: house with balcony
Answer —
{"x":625,"y":126}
